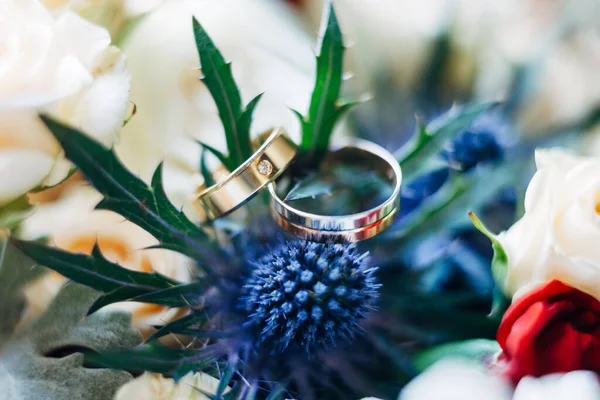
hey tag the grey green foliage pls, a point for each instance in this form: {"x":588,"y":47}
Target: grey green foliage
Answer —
{"x":42,"y":361}
{"x":15,"y":271}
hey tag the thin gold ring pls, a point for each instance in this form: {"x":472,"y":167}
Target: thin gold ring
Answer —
{"x":270,"y":160}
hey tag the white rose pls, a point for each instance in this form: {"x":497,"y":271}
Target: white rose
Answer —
{"x":269,"y":53}
{"x":558,"y":236}
{"x":64,"y":66}
{"x":114,"y":15}
{"x":461,"y":379}
{"x":456,"y":379}
{"x":72,"y":224}
{"x":156,"y":387}
{"x":580,"y":385}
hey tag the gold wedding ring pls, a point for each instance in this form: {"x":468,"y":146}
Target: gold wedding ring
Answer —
{"x":352,"y":227}
{"x":235,"y":189}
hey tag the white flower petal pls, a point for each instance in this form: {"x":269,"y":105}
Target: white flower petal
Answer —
{"x":21,"y":171}
{"x":456,"y":379}
{"x":172,"y":102}
{"x":558,"y":235}
{"x":580,"y":385}
{"x":156,"y":387}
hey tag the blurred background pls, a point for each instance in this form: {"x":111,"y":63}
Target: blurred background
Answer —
{"x":126,"y":72}
{"x":408,"y":60}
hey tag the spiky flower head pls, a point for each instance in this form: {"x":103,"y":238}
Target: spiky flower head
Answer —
{"x":475,"y":145}
{"x":309,"y":295}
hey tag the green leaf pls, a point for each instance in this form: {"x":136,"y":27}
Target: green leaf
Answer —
{"x":180,"y":325}
{"x":124,"y":193}
{"x":499,"y":268}
{"x":13,"y":213}
{"x":325,"y":110}
{"x":226,"y":377}
{"x":154,"y":358}
{"x":219,"y":80}
{"x":42,"y":361}
{"x":184,"y":295}
{"x":500,"y":260}
{"x":500,"y":304}
{"x":277,"y":392}
{"x":96,"y":272}
{"x":43,"y":187}
{"x":476,"y":349}
{"x":429,"y":140}
{"x":220,"y":156}
{"x":245,"y":120}
{"x":206,"y":174}
{"x":176,"y":296}
{"x":448,"y":208}
{"x":15,"y":271}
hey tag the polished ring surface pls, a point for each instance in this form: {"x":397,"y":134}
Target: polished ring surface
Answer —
{"x":235,"y":189}
{"x":352,"y":227}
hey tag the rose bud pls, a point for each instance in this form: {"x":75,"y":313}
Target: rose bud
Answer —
{"x":554,"y":328}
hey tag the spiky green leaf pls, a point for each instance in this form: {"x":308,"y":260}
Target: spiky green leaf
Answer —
{"x":226,"y":377}
{"x":154,"y":358}
{"x":209,"y":180}
{"x":126,"y":194}
{"x":429,"y":140}
{"x":220,"y":156}
{"x":180,"y":326}
{"x":96,"y":272}
{"x":188,"y":294}
{"x":218,"y":78}
{"x":325,"y":110}
{"x":245,"y":119}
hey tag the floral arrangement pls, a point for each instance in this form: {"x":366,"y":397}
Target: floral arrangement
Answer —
{"x":116,"y":286}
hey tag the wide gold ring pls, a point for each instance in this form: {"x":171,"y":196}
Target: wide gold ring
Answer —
{"x":270,"y":160}
{"x":351,"y":227}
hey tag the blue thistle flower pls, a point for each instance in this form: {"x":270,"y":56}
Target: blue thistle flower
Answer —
{"x":309,"y":295}
{"x":472,"y":147}
{"x":476,"y":145}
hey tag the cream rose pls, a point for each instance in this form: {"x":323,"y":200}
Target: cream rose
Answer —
{"x":558,"y":236}
{"x":72,"y":224}
{"x":157,"y":387}
{"x":460,"y":379}
{"x":582,"y":385}
{"x":114,"y":15}
{"x":456,"y":379}
{"x":269,"y":53}
{"x":62,"y":65}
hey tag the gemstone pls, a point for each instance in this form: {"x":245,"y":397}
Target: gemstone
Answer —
{"x":264,"y":167}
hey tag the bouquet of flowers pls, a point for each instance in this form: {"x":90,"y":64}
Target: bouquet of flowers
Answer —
{"x":351,"y":260}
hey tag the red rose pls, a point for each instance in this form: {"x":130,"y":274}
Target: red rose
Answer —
{"x":554,"y":328}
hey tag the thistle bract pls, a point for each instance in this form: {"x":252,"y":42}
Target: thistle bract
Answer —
{"x":309,"y":295}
